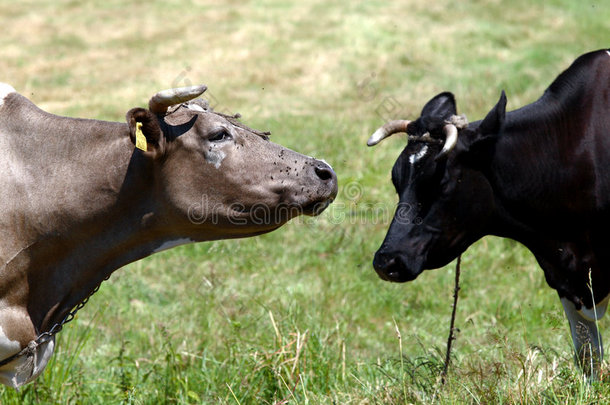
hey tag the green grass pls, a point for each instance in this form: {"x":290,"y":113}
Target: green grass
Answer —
{"x":299,"y":316}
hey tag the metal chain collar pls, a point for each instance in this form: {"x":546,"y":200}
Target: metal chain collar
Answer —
{"x":55,"y":329}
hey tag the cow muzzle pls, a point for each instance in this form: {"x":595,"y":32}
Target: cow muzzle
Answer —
{"x":325,"y":192}
{"x":392,"y":267}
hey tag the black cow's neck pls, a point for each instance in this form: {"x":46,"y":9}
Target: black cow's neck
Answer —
{"x":547,"y":177}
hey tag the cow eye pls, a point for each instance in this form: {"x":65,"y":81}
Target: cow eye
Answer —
{"x":220,"y":135}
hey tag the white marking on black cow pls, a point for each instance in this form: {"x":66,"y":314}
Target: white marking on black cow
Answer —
{"x":585,"y":335}
{"x":597,"y":312}
{"x":5,"y":90}
{"x":417,"y":156}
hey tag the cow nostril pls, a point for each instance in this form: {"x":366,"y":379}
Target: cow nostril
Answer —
{"x":324,"y":172}
{"x":383,"y":263}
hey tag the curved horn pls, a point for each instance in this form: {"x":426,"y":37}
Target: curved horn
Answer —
{"x":160,"y":102}
{"x":388,"y":129}
{"x":451,"y":137}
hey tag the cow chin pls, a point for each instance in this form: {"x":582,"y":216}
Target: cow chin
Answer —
{"x":316,"y":208}
{"x":311,"y":203}
{"x":395,"y":269}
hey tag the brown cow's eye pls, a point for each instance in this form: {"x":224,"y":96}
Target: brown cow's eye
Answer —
{"x":220,"y":135}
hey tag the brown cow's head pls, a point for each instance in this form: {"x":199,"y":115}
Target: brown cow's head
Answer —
{"x":220,"y":179}
{"x":445,"y":199}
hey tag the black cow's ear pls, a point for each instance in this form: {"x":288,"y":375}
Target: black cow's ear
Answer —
{"x":478,"y":145}
{"x":441,"y":106}
{"x":493,"y":123}
{"x":145,"y":132}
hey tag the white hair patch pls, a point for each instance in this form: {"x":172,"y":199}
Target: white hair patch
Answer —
{"x":5,"y":90}
{"x":172,"y":243}
{"x":417,"y":156}
{"x":215,"y":157}
{"x":7,"y":347}
{"x":596,"y":312}
{"x":195,"y":107}
{"x":26,"y":368}
{"x":325,"y":162}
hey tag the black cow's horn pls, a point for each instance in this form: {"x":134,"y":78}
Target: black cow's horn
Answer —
{"x":453,"y":124}
{"x":160,"y":102}
{"x":388,"y":129}
{"x":451,"y":137}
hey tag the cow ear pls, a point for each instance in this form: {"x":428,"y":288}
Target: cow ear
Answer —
{"x":479,"y":144}
{"x":145,"y":132}
{"x":493,"y":123}
{"x":442,"y":106}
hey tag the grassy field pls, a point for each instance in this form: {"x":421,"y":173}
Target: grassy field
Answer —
{"x":299,"y":316}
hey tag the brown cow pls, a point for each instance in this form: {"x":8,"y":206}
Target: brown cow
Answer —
{"x":81,"y":198}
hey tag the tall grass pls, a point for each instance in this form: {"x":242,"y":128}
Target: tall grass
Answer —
{"x":298,"y":316}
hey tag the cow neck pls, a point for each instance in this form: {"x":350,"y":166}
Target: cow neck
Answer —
{"x":89,"y":211}
{"x":534,"y":137}
{"x":122,"y":231}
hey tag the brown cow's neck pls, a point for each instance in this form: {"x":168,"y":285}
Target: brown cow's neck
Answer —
{"x":120,"y":231}
{"x":74,"y":265}
{"x":100,"y":218}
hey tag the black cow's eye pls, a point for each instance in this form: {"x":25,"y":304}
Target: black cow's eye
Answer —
{"x":219,"y":135}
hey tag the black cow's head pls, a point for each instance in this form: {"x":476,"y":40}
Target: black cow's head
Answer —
{"x":445,"y":199}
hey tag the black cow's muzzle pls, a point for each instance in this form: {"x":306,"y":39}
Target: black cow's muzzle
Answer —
{"x":392,"y":267}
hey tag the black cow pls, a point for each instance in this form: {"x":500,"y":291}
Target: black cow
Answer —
{"x":539,"y":175}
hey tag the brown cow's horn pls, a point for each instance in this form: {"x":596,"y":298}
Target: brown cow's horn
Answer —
{"x":160,"y":102}
{"x":388,"y":129}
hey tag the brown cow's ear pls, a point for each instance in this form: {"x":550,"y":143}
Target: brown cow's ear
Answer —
{"x":145,"y":132}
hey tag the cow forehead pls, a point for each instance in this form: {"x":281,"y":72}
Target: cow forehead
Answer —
{"x":411,"y":163}
{"x":413,"y":153}
{"x":185,"y":112}
{"x":206,"y":119}
{"x":187,"y":118}
{"x":195,"y":107}
{"x":418,"y":154}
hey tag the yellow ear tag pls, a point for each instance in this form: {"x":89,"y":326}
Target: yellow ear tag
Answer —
{"x":140,"y":138}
